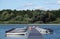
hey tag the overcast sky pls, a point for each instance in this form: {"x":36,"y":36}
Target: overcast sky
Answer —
{"x":30,"y":4}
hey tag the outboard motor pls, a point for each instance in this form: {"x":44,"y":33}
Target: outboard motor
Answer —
{"x":49,"y":30}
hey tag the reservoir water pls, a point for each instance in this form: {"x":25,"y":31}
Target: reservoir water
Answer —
{"x":5,"y":27}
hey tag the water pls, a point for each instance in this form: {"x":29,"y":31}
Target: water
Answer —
{"x":55,"y":28}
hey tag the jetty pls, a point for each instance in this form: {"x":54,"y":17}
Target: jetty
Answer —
{"x":34,"y":34}
{"x":17,"y":31}
{"x":30,"y":32}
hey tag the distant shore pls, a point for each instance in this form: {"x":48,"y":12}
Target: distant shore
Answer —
{"x":8,"y":16}
{"x":30,"y":24}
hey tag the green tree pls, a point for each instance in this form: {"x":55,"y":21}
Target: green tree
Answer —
{"x":47,"y":17}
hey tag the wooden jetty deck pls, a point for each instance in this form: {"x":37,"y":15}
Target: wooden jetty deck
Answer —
{"x":34,"y":34}
{"x":16,"y":31}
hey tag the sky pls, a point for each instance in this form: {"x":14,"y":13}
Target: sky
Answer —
{"x":30,"y":4}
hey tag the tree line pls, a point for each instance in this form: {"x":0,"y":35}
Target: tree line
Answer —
{"x":37,"y":16}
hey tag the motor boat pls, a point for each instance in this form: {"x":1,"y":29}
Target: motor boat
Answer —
{"x":44,"y":30}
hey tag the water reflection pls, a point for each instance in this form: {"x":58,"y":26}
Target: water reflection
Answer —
{"x":15,"y":37}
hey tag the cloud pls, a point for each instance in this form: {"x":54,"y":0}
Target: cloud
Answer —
{"x":41,"y":8}
{"x":38,"y":7}
{"x":25,"y":5}
{"x":58,"y":2}
{"x":52,"y":3}
{"x":28,"y":4}
{"x":47,"y":2}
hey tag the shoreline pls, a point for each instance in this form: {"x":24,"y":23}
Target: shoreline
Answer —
{"x":29,"y":24}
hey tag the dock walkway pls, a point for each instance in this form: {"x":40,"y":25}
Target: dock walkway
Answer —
{"x":17,"y":31}
{"x":34,"y":34}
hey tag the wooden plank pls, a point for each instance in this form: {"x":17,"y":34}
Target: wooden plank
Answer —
{"x":34,"y":34}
